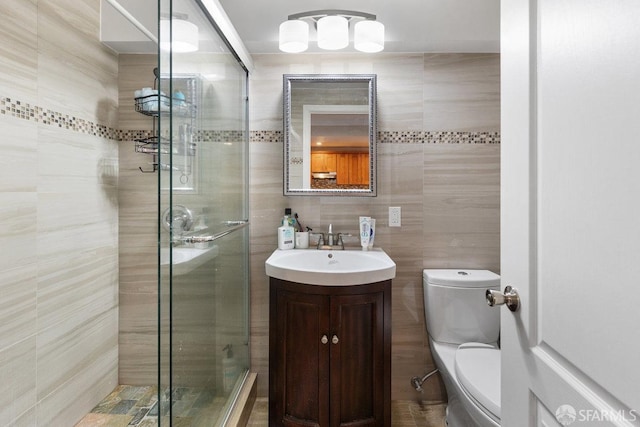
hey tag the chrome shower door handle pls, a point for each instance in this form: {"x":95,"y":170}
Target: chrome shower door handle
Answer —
{"x":510,"y":298}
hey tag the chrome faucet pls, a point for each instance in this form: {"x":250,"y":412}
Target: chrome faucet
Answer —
{"x":332,"y":241}
{"x":330,"y":235}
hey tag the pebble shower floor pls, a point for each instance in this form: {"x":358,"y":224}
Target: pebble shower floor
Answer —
{"x":137,"y":406}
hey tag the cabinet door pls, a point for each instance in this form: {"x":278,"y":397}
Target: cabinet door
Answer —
{"x":299,"y":359}
{"x":323,"y":162}
{"x":363,"y":169}
{"x":342,"y":168}
{"x":358,"y":358}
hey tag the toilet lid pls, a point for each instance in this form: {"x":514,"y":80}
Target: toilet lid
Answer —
{"x":478,"y":370}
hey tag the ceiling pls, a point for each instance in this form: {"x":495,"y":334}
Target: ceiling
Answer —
{"x":410,"y":25}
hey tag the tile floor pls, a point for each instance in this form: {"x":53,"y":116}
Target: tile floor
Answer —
{"x":130,"y":406}
{"x":404,"y":413}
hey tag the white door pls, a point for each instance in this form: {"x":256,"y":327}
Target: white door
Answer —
{"x":571,"y":212}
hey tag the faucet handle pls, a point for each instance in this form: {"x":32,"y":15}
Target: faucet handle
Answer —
{"x":320,"y":238}
{"x":340,"y":242}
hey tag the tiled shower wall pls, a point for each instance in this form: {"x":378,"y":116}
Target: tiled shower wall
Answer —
{"x":438,"y":159}
{"x":138,"y":203}
{"x":58,"y":212}
{"x":203,"y":323}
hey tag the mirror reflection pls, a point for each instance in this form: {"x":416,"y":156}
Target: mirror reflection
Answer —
{"x":329,"y":124}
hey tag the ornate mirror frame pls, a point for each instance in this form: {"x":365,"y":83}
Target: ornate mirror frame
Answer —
{"x":351,"y":95}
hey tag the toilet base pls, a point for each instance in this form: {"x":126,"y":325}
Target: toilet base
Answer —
{"x":457,"y":414}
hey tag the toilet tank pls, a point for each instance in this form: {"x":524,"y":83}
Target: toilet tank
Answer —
{"x":455,"y":307}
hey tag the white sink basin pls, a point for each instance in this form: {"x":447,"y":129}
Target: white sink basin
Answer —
{"x":330,"y":268}
{"x":186,"y":259}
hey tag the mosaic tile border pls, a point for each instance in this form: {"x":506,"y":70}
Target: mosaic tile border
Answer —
{"x":438,"y":137}
{"x":401,"y":137}
{"x":266,"y":136}
{"x":219,"y":135}
{"x":26,"y":111}
{"x":132,"y":135}
{"x":200,"y":136}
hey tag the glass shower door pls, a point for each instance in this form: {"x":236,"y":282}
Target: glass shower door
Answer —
{"x":203,"y":211}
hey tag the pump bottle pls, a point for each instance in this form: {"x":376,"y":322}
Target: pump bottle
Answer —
{"x":285,"y":235}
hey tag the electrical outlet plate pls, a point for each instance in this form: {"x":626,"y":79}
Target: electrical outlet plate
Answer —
{"x":395,"y":216}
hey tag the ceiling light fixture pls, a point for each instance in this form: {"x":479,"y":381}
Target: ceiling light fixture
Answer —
{"x":332,"y":28}
{"x":178,"y":34}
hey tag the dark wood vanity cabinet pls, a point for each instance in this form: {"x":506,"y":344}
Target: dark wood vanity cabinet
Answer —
{"x":329,"y":355}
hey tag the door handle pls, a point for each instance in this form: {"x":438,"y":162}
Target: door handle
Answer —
{"x":324,"y":339}
{"x":334,"y":339}
{"x":510,"y":298}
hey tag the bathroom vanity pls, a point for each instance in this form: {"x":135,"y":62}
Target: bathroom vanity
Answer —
{"x":329,"y":354}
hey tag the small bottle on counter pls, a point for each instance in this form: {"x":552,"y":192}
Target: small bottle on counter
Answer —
{"x":285,"y":235}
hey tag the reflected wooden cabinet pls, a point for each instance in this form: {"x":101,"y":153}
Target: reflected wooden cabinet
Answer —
{"x":351,"y":168}
{"x":329,"y":355}
{"x":323,"y":162}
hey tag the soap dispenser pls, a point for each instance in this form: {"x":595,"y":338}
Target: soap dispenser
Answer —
{"x":229,"y":370}
{"x":285,"y":235}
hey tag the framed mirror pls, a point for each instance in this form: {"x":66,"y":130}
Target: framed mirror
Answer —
{"x":329,"y":134}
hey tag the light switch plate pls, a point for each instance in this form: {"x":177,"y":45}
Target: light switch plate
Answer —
{"x":395,"y":216}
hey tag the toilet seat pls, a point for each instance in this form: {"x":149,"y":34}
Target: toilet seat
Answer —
{"x":477,"y":368}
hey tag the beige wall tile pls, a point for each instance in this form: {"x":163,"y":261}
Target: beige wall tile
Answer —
{"x":18,"y":385}
{"x":95,"y":377}
{"x":19,"y":160}
{"x":400,"y":85}
{"x":462,"y":92}
{"x":461,"y":211}
{"x":138,"y":235}
{"x":18,"y":49}
{"x":77,"y":74}
{"x":18,"y":214}
{"x":76,"y":285}
{"x":58,"y":213}
{"x":18,"y":312}
{"x":138,"y":338}
{"x":66,"y":350}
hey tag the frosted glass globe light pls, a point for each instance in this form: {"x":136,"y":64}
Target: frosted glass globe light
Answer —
{"x":333,"y":32}
{"x":294,"y":36}
{"x":368,"y":36}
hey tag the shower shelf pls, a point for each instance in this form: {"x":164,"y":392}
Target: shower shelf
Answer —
{"x":151,"y":145}
{"x":148,"y":105}
{"x":182,"y":116}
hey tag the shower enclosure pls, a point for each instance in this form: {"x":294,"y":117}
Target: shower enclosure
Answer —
{"x":201,"y":163}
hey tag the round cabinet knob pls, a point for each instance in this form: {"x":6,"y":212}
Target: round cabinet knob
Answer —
{"x":335,"y":339}
{"x":324,"y":339}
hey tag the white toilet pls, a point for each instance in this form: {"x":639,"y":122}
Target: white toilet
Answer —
{"x":463,"y":335}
